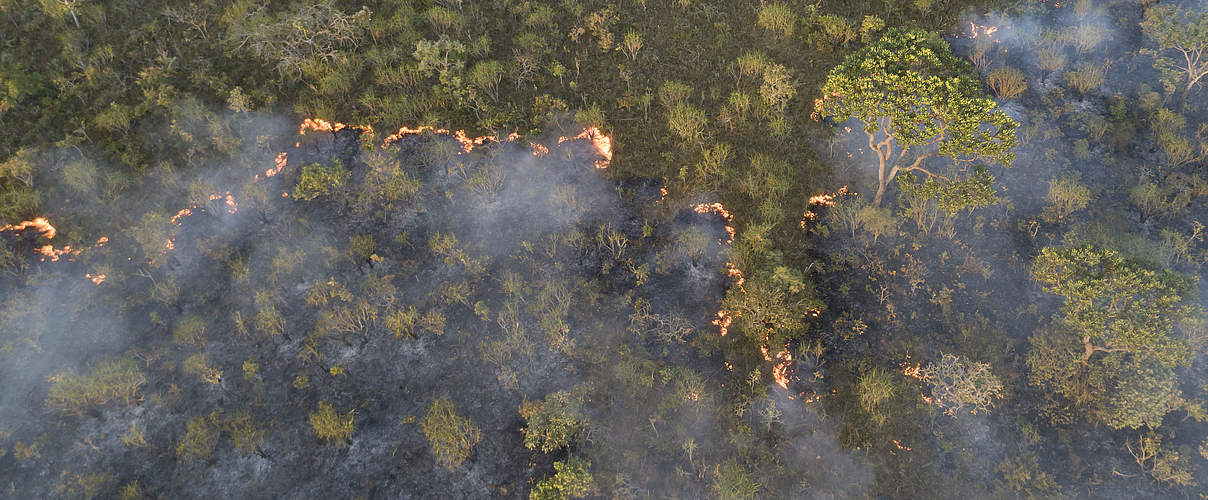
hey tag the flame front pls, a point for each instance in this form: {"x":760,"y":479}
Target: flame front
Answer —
{"x":601,"y":142}
{"x":822,"y":200}
{"x":39,"y":223}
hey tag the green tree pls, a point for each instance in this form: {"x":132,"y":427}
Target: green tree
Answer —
{"x":1114,"y":304}
{"x":917,"y":101}
{"x":1124,"y":326}
{"x":1184,"y":31}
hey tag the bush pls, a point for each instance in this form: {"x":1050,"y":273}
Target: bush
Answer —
{"x":320,"y":180}
{"x":1066,"y":196}
{"x":957,"y":385}
{"x":201,"y":437}
{"x":112,"y":381}
{"x":451,"y":436}
{"x":553,"y":423}
{"x":572,"y":480}
{"x":778,"y":19}
{"x":1007,"y":82}
{"x":330,"y":425}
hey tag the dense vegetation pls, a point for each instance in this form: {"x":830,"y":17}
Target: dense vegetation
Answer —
{"x":685,"y":248}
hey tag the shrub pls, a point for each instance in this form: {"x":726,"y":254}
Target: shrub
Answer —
{"x":320,"y":180}
{"x":1007,"y":82}
{"x":112,"y":381}
{"x":957,"y":385}
{"x":554,"y":422}
{"x":451,"y":436}
{"x":778,"y":19}
{"x":201,"y":437}
{"x":1066,"y":196}
{"x":330,"y":425}
{"x":571,"y":480}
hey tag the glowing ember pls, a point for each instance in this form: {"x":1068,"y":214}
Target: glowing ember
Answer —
{"x":278,"y":165}
{"x":782,"y":367}
{"x":169,"y":245}
{"x":538,"y":150}
{"x":900,"y":446}
{"x":916,"y":372}
{"x":96,"y":279}
{"x":717,"y":208}
{"x":52,"y":253}
{"x":40,"y":223}
{"x":103,"y":240}
{"x":734,"y":272}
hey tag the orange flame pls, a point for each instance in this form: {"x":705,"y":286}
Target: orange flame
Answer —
{"x":974,"y":29}
{"x":278,"y":164}
{"x":96,"y":279}
{"x":782,"y":368}
{"x":538,"y":150}
{"x":723,"y":321}
{"x":822,"y":200}
{"x":40,"y":223}
{"x":467,"y":143}
{"x":319,"y":125}
{"x":232,"y":207}
{"x":717,"y":208}
{"x":601,"y":142}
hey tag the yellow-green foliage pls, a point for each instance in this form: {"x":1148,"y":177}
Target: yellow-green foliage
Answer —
{"x":201,"y":437}
{"x":451,"y":436}
{"x":111,"y":381}
{"x":190,"y":331}
{"x":243,"y":431}
{"x":330,"y":425}
{"x":320,"y":180}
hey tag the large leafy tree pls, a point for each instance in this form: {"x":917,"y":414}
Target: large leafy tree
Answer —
{"x":1185,"y":32}
{"x":1123,"y":328}
{"x":917,"y":101}
{"x":1114,"y":304}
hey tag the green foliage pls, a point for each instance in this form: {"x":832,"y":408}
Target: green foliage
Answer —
{"x":555,"y":422}
{"x":1066,"y":196}
{"x":778,"y":19}
{"x":330,"y":425}
{"x":200,"y":438}
{"x":1184,"y":31}
{"x":451,"y":436}
{"x":320,"y":180}
{"x":1118,"y":303}
{"x":1007,"y":82}
{"x":734,"y":482}
{"x":572,"y":479}
{"x":911,"y":93}
{"x":105,"y":383}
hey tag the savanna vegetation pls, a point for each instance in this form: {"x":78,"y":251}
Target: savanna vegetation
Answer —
{"x":689,"y":248}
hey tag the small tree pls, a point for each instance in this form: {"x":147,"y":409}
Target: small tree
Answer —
{"x":1185,"y":32}
{"x":917,"y":101}
{"x":451,"y":436}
